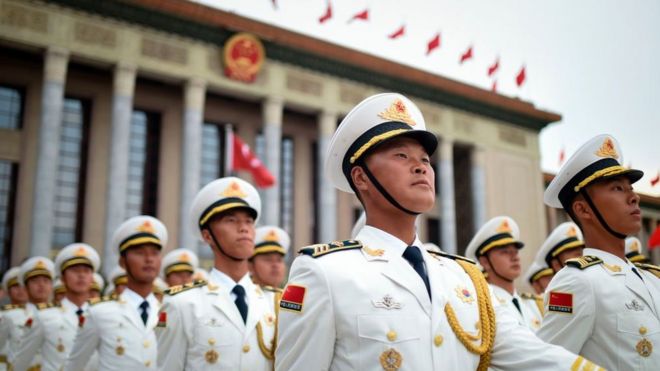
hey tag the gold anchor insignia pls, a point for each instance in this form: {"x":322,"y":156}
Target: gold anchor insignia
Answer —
{"x":373,"y":252}
{"x":391,"y":360}
{"x":211,"y":356}
{"x":397,"y":111}
{"x":644,"y":348}
{"x":607,"y":149}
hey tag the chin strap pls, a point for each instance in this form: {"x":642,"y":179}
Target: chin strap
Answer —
{"x":383,"y":191}
{"x":495,"y":270}
{"x":600,"y":218}
{"x":208,"y":228}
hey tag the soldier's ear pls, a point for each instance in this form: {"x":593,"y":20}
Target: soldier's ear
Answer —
{"x":207,"y":237}
{"x":581,"y":209}
{"x":359,"y":178}
{"x":122,"y":261}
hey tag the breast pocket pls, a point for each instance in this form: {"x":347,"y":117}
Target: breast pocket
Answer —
{"x":637,"y":335}
{"x":387,"y":340}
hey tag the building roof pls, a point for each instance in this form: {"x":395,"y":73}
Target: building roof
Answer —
{"x":212,"y":25}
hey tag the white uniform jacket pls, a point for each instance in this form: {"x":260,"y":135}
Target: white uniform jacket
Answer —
{"x":367,"y":309}
{"x":529,"y":314}
{"x":605,"y":312}
{"x":201,"y":328}
{"x":115,"y":329}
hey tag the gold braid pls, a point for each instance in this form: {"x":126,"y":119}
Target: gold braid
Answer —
{"x":270,"y":353}
{"x":486,"y":318}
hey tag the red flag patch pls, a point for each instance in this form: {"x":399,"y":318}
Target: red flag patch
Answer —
{"x":293,"y":298}
{"x":162,"y":319}
{"x":560,"y":302}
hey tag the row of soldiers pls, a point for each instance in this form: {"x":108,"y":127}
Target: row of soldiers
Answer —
{"x":379,"y":300}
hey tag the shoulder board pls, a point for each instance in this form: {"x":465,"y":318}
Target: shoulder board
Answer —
{"x":13,"y":306}
{"x":42,"y":306}
{"x":181,"y":288}
{"x":450,"y":256}
{"x":326,"y":248}
{"x":103,"y":299}
{"x":584,"y":261}
{"x":530,"y":296}
{"x":649,"y":267}
{"x":272,"y":289}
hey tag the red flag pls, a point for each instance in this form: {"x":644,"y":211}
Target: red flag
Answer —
{"x":363,"y":15}
{"x":562,"y":156}
{"x":494,"y":87}
{"x":328,"y":14}
{"x":433,"y":44}
{"x":494,"y":67}
{"x":467,"y":55}
{"x":242,"y":158}
{"x":655,"y":180}
{"x":654,"y":240}
{"x":520,"y":78}
{"x":398,"y":33}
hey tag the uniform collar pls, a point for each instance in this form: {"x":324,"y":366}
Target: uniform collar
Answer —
{"x":70,"y":306}
{"x":503,"y":294}
{"x":134,"y":299}
{"x":227,"y":284}
{"x":606,"y":256}
{"x":375,"y":238}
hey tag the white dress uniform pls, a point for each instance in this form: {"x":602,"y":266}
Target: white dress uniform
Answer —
{"x":179,"y":260}
{"x":604,"y":311}
{"x":537,"y":271}
{"x":114,"y":328}
{"x":201,"y":328}
{"x":528,"y":314}
{"x":10,"y":279}
{"x":365,"y":308}
{"x":12,"y":326}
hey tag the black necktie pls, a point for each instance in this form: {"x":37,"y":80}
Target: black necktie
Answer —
{"x":144,"y":306}
{"x":414,"y":257}
{"x":515,"y":302}
{"x":638,"y":275}
{"x":79,"y":312}
{"x":239,"y":291}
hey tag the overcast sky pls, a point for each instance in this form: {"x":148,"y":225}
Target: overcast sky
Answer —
{"x":597,"y":63}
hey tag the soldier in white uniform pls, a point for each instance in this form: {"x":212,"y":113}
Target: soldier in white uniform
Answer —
{"x":117,"y":281}
{"x":97,"y":286}
{"x":59,"y":291}
{"x":634,"y":251}
{"x":600,"y":305}
{"x":121,"y":328}
{"x":229,"y":322}
{"x":179,"y":266}
{"x":538,"y":276}
{"x":18,"y":298}
{"x":495,"y":247}
{"x":564,"y":242}
{"x":267,"y":266}
{"x":381,"y":302}
{"x":54,"y":327}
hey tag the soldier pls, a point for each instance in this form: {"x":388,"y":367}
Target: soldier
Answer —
{"x":97,"y":286}
{"x":121,"y":327}
{"x":601,"y":306}
{"x":36,"y":275}
{"x":565,"y":242}
{"x":539,"y":276}
{"x":117,"y":281}
{"x":495,"y":247}
{"x":382,"y":302}
{"x":54,"y":327}
{"x":59,"y":291}
{"x":634,"y":251}
{"x":18,"y":298}
{"x":229,"y":322}
{"x":159,"y":287}
{"x":179,"y":266}
{"x":200,"y":275}
{"x":267,"y":266}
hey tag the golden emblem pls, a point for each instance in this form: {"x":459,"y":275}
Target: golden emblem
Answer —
{"x":60,"y":346}
{"x":504,"y":227}
{"x":607,"y":149}
{"x":211,"y":356}
{"x":234,"y":190}
{"x":644,"y":348}
{"x":391,"y":360}
{"x":571,"y":232}
{"x":81,"y":251}
{"x":437,"y":340}
{"x":40,"y":265}
{"x":612,"y":267}
{"x":373,"y":252}
{"x":397,"y":111}
{"x":271,"y":236}
{"x":634,"y":246}
{"x":391,"y":335}
{"x":146,"y":227}
{"x":119,"y":350}
{"x":184,"y":258}
{"x":464,"y":294}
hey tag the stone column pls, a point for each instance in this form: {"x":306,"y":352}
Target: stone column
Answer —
{"x":448,"y":211}
{"x":117,"y":182}
{"x":56,"y":61}
{"x":478,"y":187}
{"x":272,"y":131}
{"x":191,"y":157}
{"x":327,"y":202}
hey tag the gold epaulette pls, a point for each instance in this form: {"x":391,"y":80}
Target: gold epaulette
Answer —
{"x":451,"y":256}
{"x":42,"y":306}
{"x":181,"y":288}
{"x":272,"y":289}
{"x":326,"y":248}
{"x":530,"y":296}
{"x":103,"y":299}
{"x":649,"y":268}
{"x":12,"y":306}
{"x":583,"y":262}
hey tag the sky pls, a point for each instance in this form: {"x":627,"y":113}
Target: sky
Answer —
{"x":597,"y":63}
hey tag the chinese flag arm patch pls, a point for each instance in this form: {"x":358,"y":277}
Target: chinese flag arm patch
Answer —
{"x":560,"y":302}
{"x":293,"y":298}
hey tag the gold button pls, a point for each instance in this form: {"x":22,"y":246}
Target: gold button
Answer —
{"x":246,"y":348}
{"x":437,"y":340}
{"x":211,"y":341}
{"x":146,"y":343}
{"x":391,"y":336}
{"x":148,"y":363}
{"x":642,"y":330}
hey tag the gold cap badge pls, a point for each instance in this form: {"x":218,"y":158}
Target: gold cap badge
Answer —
{"x":571,"y":232}
{"x":397,"y":111}
{"x":81,"y":251}
{"x":271,"y":236}
{"x":146,"y":227}
{"x":607,"y":149}
{"x":504,"y":227}
{"x":234,"y":190}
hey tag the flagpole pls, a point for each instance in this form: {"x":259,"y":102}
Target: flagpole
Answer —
{"x":229,"y":151}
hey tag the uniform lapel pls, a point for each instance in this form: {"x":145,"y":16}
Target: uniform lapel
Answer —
{"x":131,"y":314}
{"x":222,"y":301}
{"x":255,"y":297}
{"x":400,"y":271}
{"x":436,"y":279}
